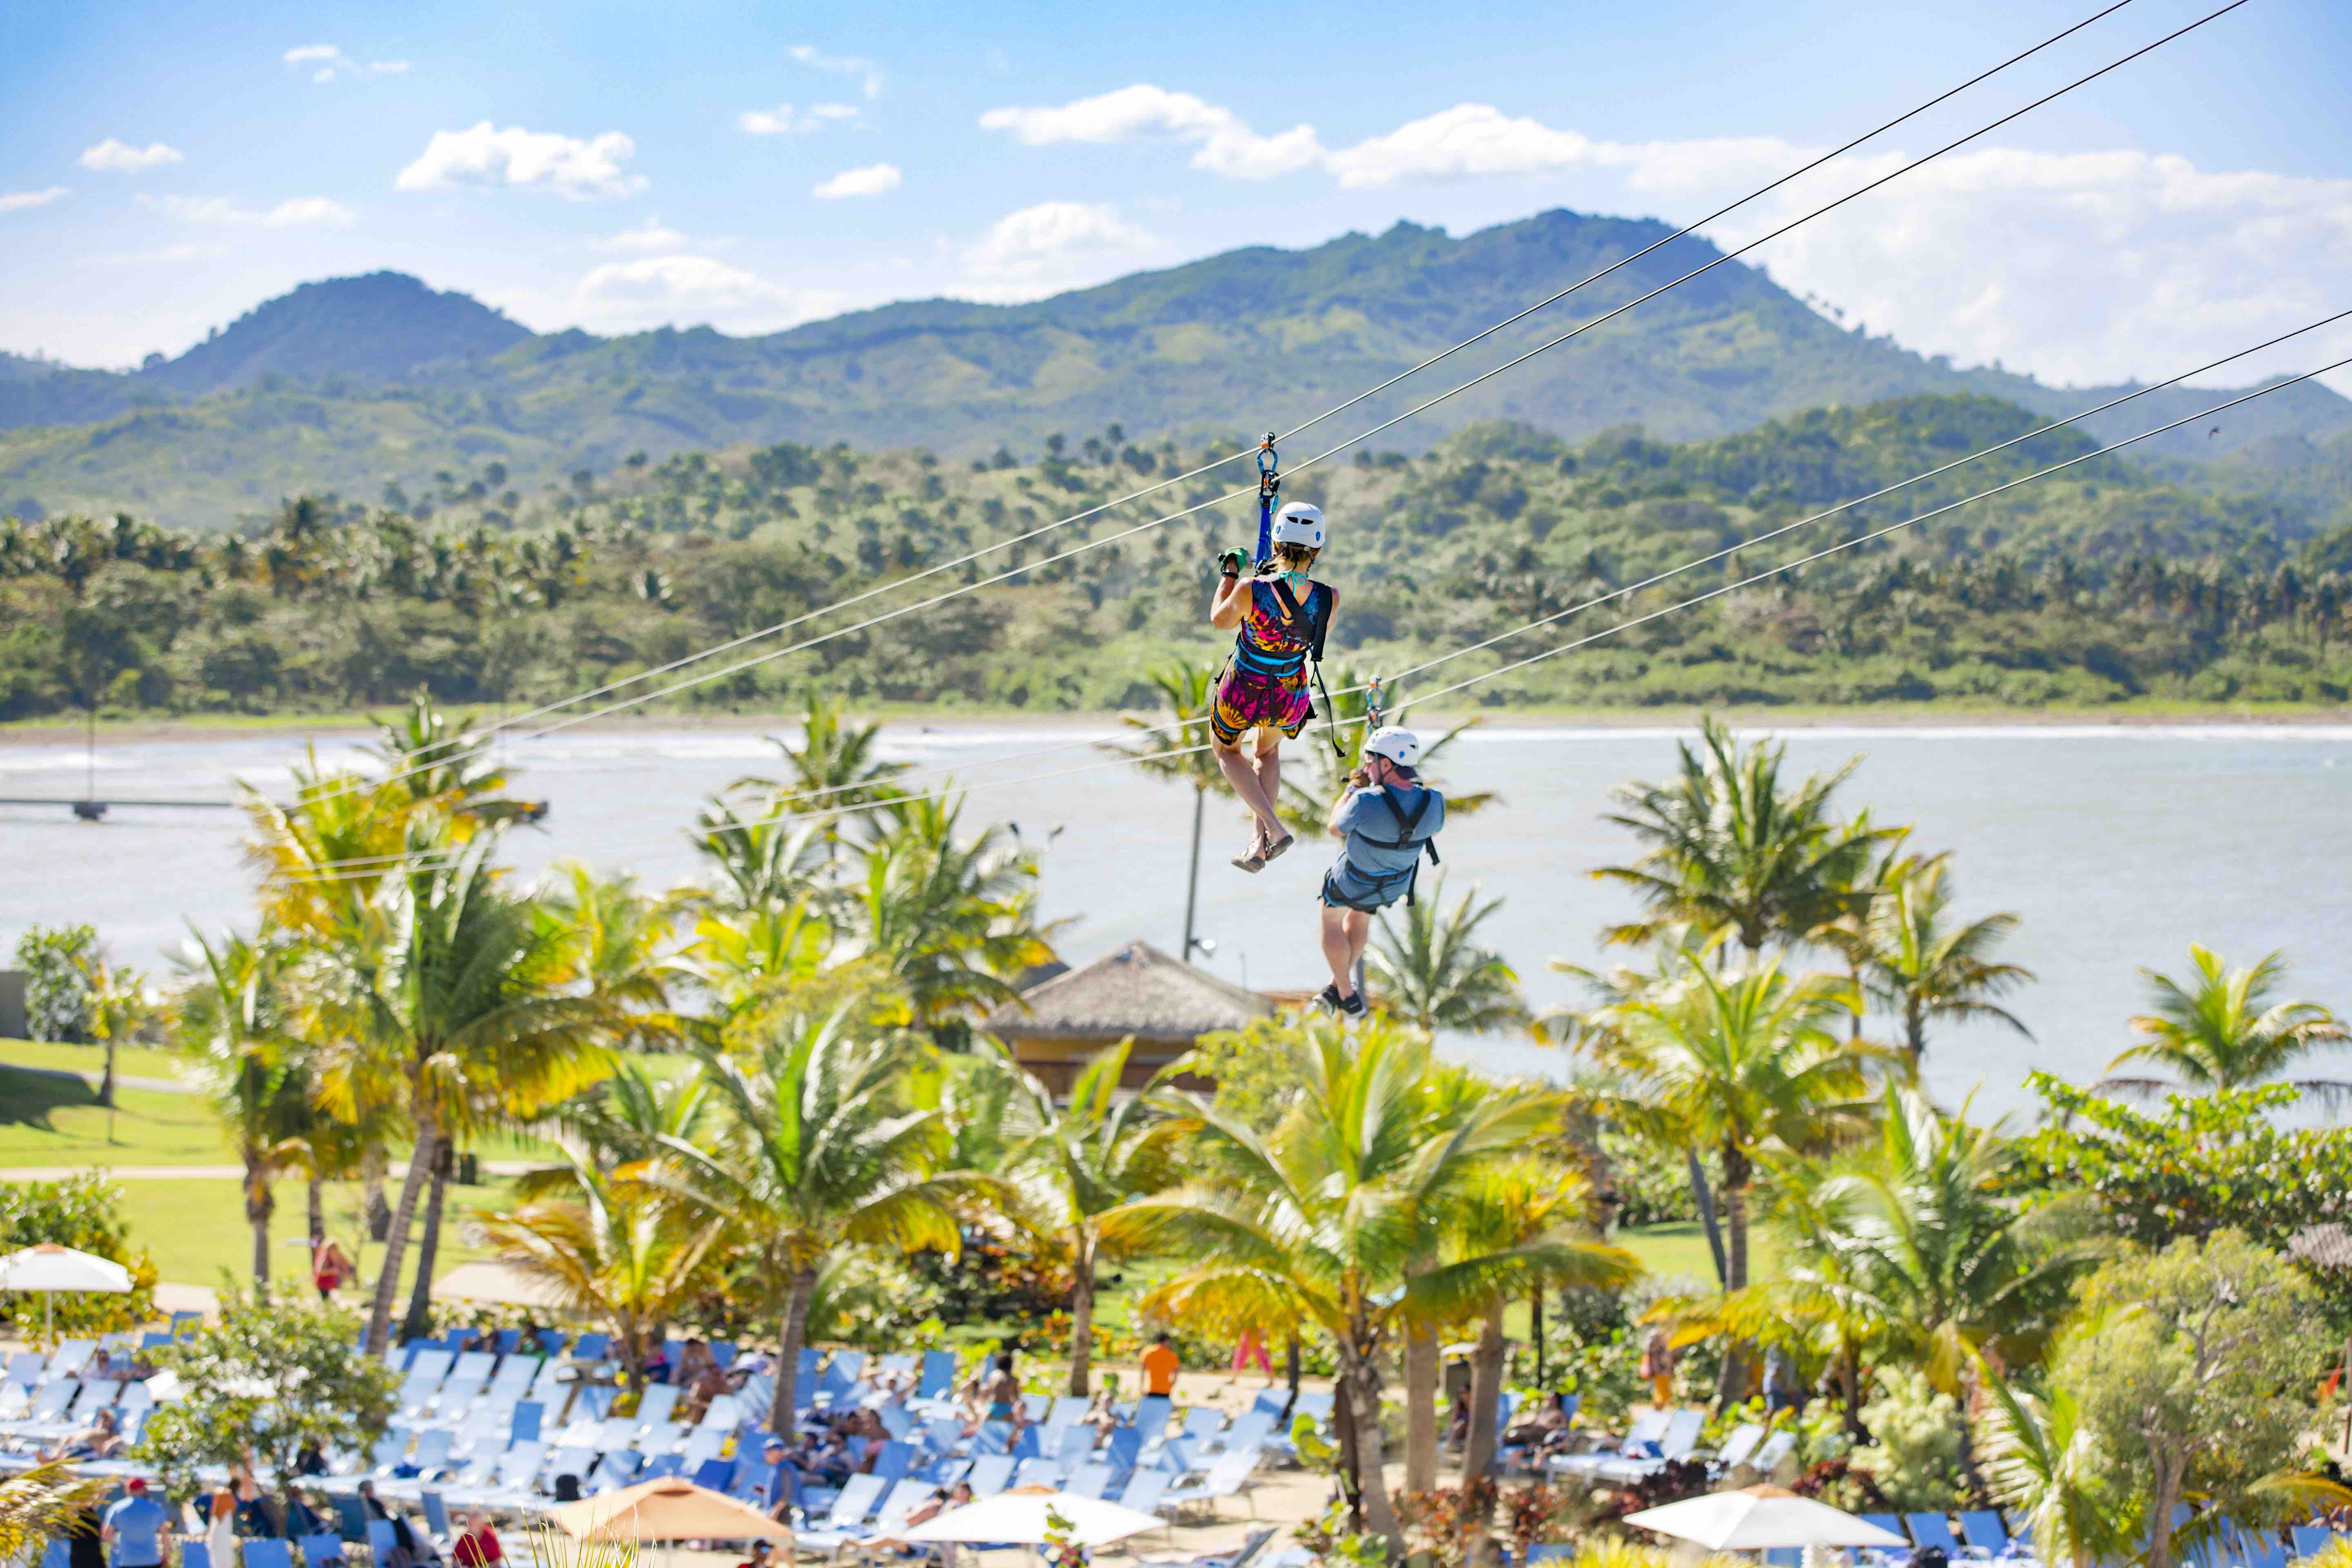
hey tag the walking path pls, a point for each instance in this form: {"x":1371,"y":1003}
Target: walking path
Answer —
{"x":205,"y":1173}
{"x":121,"y":1079}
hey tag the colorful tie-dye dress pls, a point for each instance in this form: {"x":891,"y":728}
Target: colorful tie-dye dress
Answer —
{"x":1264,"y":686}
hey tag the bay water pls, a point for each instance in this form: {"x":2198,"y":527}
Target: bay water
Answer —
{"x":2117,"y":846}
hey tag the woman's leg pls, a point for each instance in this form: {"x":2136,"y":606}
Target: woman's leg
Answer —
{"x":1244,"y":779}
{"x":1269,"y":779}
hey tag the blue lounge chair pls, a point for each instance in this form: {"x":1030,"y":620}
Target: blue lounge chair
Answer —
{"x":1934,"y":1529}
{"x":2310,"y":1540}
{"x":1983,"y":1533}
{"x":322,"y":1551}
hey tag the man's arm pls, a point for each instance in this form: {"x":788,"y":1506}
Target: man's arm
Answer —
{"x":1333,"y":824}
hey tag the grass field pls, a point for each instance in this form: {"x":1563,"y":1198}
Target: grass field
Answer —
{"x":195,"y":1230}
{"x":131,"y":1061}
{"x":48,"y":1120}
{"x":1679,"y":1251}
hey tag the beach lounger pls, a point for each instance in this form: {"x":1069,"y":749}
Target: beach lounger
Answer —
{"x":2310,"y":1540}
{"x":726,"y":1414}
{"x":989,"y":1473}
{"x":1090,"y":1481}
{"x":264,"y":1552}
{"x":903,"y":1499}
{"x":938,"y":1374}
{"x":1680,"y":1437}
{"x":659,"y":1404}
{"x":847,"y":1521}
{"x":1144,"y":1490}
{"x":1776,"y":1449}
{"x":1250,"y":1552}
{"x":1229,"y":1477}
{"x":715,"y":1475}
{"x":1645,"y":1430}
{"x":1737,"y":1447}
{"x":1039,"y":1472}
{"x":437,"y":1516}
{"x":1982,"y":1531}
{"x":322,"y":1551}
{"x":1932,"y":1530}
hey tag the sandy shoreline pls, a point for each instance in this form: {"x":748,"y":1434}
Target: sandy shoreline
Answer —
{"x":48,"y":733}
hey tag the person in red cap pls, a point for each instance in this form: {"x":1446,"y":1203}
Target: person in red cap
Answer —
{"x":136,"y":1526}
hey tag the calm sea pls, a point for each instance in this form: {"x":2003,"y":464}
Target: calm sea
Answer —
{"x":2117,"y":846}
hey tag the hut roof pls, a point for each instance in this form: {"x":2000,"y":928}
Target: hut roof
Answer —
{"x":1137,"y":990}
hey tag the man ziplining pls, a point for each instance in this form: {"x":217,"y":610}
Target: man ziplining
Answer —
{"x":1386,"y":820}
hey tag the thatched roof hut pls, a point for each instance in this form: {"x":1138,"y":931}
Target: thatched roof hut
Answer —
{"x":1136,"y":991}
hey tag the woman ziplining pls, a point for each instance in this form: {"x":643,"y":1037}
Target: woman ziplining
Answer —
{"x":1282,"y":615}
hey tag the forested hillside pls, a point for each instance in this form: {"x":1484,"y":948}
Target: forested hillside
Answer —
{"x":356,"y":383}
{"x":2103,"y":584}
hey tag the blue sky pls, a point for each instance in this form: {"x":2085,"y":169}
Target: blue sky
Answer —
{"x":169,"y":166}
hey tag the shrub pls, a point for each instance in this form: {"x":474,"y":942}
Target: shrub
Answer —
{"x":82,"y":1212}
{"x":57,"y":991}
{"x":1915,"y":1461}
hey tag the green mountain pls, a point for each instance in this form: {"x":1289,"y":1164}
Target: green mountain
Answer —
{"x":360,"y":383}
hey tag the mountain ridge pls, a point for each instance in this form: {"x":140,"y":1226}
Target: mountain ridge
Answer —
{"x":349,"y":384}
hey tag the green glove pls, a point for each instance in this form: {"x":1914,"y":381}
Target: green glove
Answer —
{"x":1234,"y":562}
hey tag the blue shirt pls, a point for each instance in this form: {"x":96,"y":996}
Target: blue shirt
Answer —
{"x":1364,"y":819}
{"x":138,"y":1524}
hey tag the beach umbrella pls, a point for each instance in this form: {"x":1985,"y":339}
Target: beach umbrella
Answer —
{"x":1018,"y":1518}
{"x":666,"y":1509}
{"x":1756,"y":1519}
{"x":49,"y":1268}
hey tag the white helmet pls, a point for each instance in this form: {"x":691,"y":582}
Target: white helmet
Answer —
{"x":1299,"y":522}
{"x":1400,"y":746}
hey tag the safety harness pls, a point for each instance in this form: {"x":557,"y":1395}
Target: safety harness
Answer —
{"x":1270,"y":490}
{"x":1408,"y":836}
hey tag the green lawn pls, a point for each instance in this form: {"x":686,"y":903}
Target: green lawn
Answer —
{"x":47,"y":1120}
{"x":132,"y":1061}
{"x":195,"y":1228}
{"x":1679,"y":1251}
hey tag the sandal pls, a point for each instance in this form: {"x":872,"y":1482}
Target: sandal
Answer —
{"x":1252,"y":859}
{"x":1273,"y":850}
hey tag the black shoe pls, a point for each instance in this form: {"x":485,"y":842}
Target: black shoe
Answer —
{"x":1353,"y":1007}
{"x":1329,"y":999}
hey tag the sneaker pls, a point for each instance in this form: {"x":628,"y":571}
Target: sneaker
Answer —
{"x":1329,"y":999}
{"x":1353,"y":1007}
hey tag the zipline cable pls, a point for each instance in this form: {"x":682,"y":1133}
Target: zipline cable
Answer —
{"x":1628,"y":590}
{"x":1416,"y":410}
{"x":896,"y":584}
{"x":835,"y":812}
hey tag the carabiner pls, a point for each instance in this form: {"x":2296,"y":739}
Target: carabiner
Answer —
{"x":1270,"y":466}
{"x":1375,"y":700}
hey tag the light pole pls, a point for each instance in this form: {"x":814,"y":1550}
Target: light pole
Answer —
{"x":1193,"y":885}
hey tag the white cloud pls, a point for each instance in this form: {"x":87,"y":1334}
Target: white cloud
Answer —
{"x":842,"y":64}
{"x":692,"y":289}
{"x":298,"y":212}
{"x":12,"y":200}
{"x":872,"y":180}
{"x":330,"y":62}
{"x":649,"y":234}
{"x":121,"y":158}
{"x":786,"y":120}
{"x":1227,"y":145}
{"x":485,"y":155}
{"x":1048,"y":248}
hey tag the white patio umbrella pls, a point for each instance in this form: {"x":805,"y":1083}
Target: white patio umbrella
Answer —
{"x":1756,"y":1519}
{"x":50,"y":1267}
{"x":1018,"y":1516}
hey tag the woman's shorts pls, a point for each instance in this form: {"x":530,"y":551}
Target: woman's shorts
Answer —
{"x":1246,"y":700}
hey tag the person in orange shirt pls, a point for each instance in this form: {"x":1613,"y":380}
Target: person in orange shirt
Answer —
{"x":1160,"y":1365}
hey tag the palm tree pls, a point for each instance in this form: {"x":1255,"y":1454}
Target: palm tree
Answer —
{"x":1435,"y":976}
{"x":832,"y":769}
{"x":1729,"y":846}
{"x":1330,"y":1219}
{"x":232,"y":1022}
{"x":1919,"y":966}
{"x":619,"y":1251}
{"x":1180,"y":749}
{"x":463,"y":1002}
{"x":767,"y":861}
{"x":2043,"y":1466}
{"x":1072,"y":1164}
{"x":1523,"y":1228}
{"x":1738,"y":1063}
{"x":824,"y":1149}
{"x":623,"y":936}
{"x":953,"y":921}
{"x":1910,"y":1242}
{"x":1309,"y":792}
{"x":2222,"y":1031}
{"x":44,"y":1504}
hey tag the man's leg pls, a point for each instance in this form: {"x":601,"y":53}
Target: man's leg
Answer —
{"x":1244,"y":779}
{"x":1336,"y":949}
{"x":1359,"y":926}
